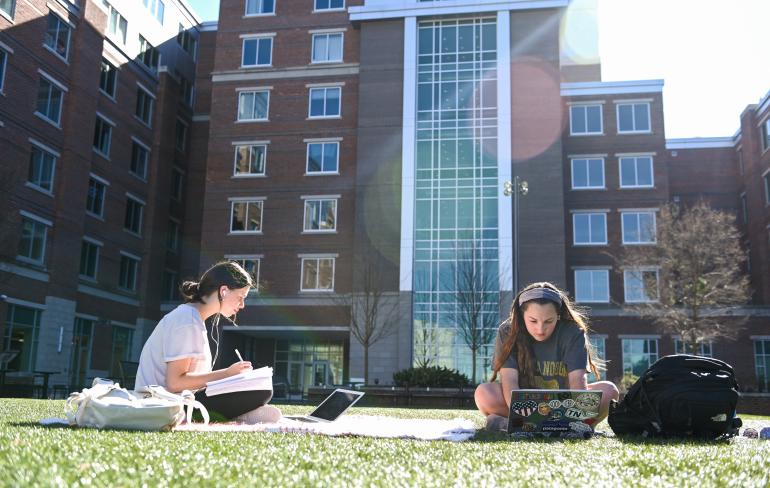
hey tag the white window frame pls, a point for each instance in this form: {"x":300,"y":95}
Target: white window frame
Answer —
{"x":9,"y":15}
{"x":115,"y":70}
{"x":47,"y":224}
{"x":327,"y":34}
{"x":70,"y":28}
{"x":626,"y":274}
{"x":636,"y":158}
{"x":146,"y":148}
{"x":633,"y":103}
{"x":766,"y":185}
{"x":638,"y":212}
{"x":258,"y":38}
{"x":185,"y":135}
{"x":585,"y":106}
{"x":744,"y":208}
{"x":98,"y":245}
{"x":259,"y":13}
{"x":318,"y":258}
{"x":248,"y":200}
{"x":175,"y":248}
{"x":49,"y":151}
{"x":679,"y":347}
{"x":592,"y":298}
{"x":105,"y":155}
{"x":330,"y":9}
{"x":323,"y":143}
{"x":57,"y":85}
{"x":253,"y":91}
{"x":117,"y":33}
{"x":135,"y":280}
{"x":644,"y":338}
{"x":765,"y":135}
{"x":154,"y":65}
{"x":257,"y":258}
{"x":151,"y":107}
{"x":142,"y":205}
{"x":590,"y":214}
{"x":105,"y":184}
{"x":177,"y":194}
{"x":4,"y":65}
{"x":326,"y":91}
{"x":250,"y":145}
{"x":587,"y":160}
{"x":320,"y":199}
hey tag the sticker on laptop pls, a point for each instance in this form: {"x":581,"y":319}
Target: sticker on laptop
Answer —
{"x":525,"y":409}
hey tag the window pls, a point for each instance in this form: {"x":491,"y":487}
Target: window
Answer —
{"x":633,"y":117}
{"x":253,"y":105}
{"x":95,"y":197}
{"x":22,"y":327}
{"x":8,"y":7}
{"x":34,"y":232}
{"x":172,"y":235}
{"x":260,"y":7}
{"x":257,"y":52}
{"x":589,"y":229}
{"x":704,"y":348}
{"x":117,"y":26}
{"x":587,"y":173}
{"x":741,"y":164}
{"x":122,"y":337}
{"x":41,"y":168}
{"x":327,"y":48}
{"x":157,"y":8}
{"x":640,"y":285}
{"x":638,"y":355}
{"x":108,"y":78}
{"x":323,"y":157}
{"x":325,"y":102}
{"x":186,"y":40}
{"x":144,"y":102}
{"x":3,"y":63}
{"x":329,"y":4}
{"x":585,"y":120}
{"x":246,"y":216}
{"x":49,"y":100}
{"x":320,"y":215}
{"x":129,"y":267}
{"x":744,"y":209}
{"x":140,"y":156}
{"x":180,"y":135}
{"x":592,"y":285}
{"x":638,"y":227}
{"x":600,"y":353}
{"x":170,"y":290}
{"x":317,"y":274}
{"x":102,"y":136}
{"x":148,"y":55}
{"x":133,"y":219}
{"x":89,"y":259}
{"x":188,"y":90}
{"x":57,"y":36}
{"x":766,"y":135}
{"x":251,"y":264}
{"x":636,"y":172}
{"x":177,"y":184}
{"x":766,"y":178}
{"x":250,"y":160}
{"x":762,"y":362}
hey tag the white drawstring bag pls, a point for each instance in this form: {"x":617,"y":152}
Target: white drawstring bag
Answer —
{"x":108,"y":406}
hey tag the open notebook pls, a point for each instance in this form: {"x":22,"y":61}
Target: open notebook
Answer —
{"x":254,"y":379}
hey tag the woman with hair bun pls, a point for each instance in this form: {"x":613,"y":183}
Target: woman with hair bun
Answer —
{"x":177,"y":354}
{"x":543,"y":345}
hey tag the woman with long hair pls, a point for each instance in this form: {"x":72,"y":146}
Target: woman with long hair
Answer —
{"x":543,"y":345}
{"x":177,"y":354}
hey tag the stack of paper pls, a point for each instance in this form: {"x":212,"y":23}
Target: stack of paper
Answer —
{"x":254,"y":379}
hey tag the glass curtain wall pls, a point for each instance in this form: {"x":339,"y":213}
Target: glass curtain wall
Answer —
{"x":456,"y":224}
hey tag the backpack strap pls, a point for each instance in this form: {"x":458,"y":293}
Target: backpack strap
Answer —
{"x":186,"y":397}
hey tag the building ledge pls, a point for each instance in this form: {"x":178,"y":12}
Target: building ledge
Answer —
{"x":393,"y":9}
{"x":582,"y":88}
{"x":700,"y":143}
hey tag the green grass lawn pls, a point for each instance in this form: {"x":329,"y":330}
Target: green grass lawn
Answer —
{"x":34,"y":455}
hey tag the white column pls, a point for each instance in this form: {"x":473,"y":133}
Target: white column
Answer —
{"x":408,"y":152}
{"x":504,"y":207}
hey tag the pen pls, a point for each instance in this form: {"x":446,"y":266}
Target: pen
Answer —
{"x":238,"y":354}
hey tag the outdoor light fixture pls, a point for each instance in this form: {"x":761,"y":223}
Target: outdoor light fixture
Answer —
{"x":516,"y":188}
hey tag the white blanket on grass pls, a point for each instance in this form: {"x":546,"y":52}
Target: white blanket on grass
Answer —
{"x":455,"y":430}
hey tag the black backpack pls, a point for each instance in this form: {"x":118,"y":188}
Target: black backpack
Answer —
{"x":680,"y":395}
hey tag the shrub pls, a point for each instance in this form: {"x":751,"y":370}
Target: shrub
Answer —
{"x":431,"y":376}
{"x":626,"y":382}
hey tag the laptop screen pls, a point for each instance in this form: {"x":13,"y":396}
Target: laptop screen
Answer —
{"x":335,"y":404}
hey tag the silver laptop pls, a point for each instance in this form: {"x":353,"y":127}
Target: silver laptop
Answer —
{"x":332,"y":407}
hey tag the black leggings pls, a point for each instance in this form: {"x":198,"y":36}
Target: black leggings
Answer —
{"x":231,"y":405}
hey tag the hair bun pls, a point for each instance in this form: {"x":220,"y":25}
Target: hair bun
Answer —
{"x":190,"y":290}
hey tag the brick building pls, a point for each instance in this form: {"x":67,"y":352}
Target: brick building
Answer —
{"x":328,"y":135}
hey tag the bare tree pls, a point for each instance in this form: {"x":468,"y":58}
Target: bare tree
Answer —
{"x":695,"y":274}
{"x":476,"y":310}
{"x":373,"y":316}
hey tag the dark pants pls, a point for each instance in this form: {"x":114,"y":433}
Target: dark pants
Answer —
{"x":230,"y":405}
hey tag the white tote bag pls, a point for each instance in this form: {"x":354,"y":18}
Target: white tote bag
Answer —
{"x":108,"y":406}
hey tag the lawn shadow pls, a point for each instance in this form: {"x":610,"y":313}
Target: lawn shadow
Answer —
{"x":669,"y":441}
{"x":76,"y":427}
{"x":486,"y":436}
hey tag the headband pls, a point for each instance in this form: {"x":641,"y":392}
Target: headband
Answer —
{"x":540,"y":293}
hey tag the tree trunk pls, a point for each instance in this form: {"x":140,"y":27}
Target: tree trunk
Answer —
{"x":366,"y":364}
{"x":473,"y":368}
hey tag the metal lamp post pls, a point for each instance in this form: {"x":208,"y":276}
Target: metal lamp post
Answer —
{"x":517,"y":187}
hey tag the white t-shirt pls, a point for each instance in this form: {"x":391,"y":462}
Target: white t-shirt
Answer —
{"x":180,"y":334}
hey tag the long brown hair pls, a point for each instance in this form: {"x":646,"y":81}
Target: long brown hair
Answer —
{"x":520,"y":339}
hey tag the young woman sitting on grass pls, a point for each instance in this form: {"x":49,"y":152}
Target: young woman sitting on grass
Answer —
{"x":543,"y":345}
{"x":177,"y":354}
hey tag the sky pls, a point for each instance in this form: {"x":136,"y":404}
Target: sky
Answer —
{"x":711,"y":54}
